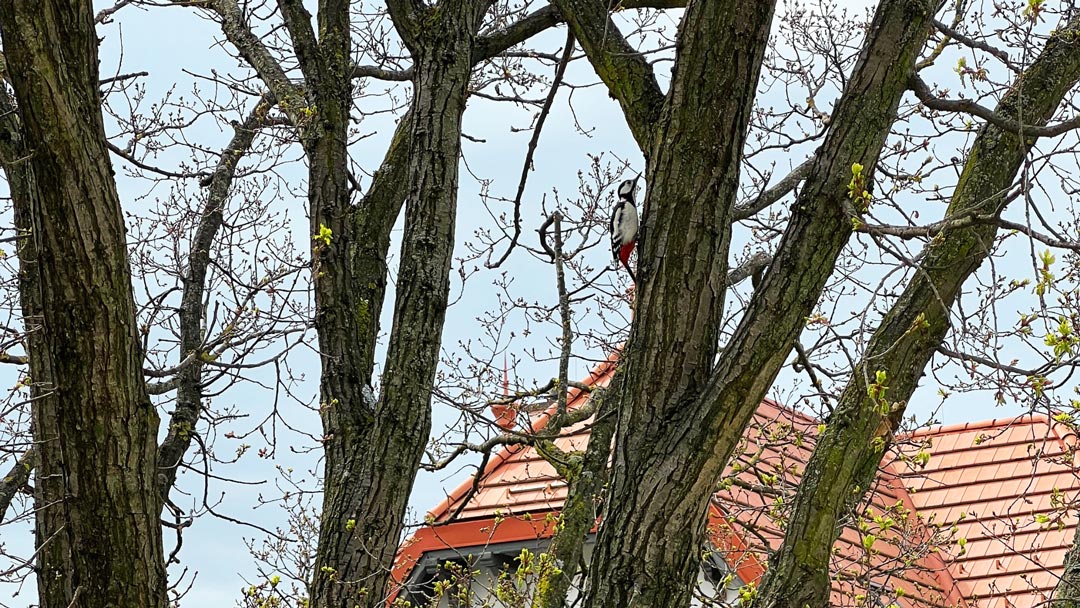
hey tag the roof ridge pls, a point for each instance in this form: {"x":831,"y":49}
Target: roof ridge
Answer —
{"x":945,"y":429}
{"x":600,"y":370}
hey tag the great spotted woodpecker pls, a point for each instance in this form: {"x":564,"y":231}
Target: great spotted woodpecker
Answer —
{"x":624,"y":224}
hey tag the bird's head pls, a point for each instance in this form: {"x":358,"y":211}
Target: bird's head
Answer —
{"x":629,"y":189}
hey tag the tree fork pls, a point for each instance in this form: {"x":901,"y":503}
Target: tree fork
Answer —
{"x":655,"y":525}
{"x":848,"y":453}
{"x":374,"y":446}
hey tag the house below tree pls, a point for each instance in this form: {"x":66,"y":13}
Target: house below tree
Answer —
{"x":976,"y":515}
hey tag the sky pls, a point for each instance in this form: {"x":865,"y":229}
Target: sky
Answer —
{"x":153,"y":40}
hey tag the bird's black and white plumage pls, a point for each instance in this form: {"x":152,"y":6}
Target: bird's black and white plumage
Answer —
{"x":624,"y":224}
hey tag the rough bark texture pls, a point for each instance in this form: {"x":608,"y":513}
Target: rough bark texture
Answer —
{"x":15,"y":480}
{"x":587,"y":475}
{"x":662,"y":481}
{"x":21,"y":184}
{"x":373,"y":447}
{"x":189,"y":393}
{"x":1067,"y":593}
{"x":647,"y":552}
{"x":848,"y":452}
{"x":97,"y":453}
{"x":20,"y":178}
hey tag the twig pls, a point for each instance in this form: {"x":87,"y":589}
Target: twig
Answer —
{"x":119,"y":77}
{"x":138,"y":163}
{"x":560,"y":70}
{"x":967,"y":106}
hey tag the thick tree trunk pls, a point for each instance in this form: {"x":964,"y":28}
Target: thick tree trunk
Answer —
{"x":647,"y":553}
{"x":373,"y":446}
{"x":1067,"y":593}
{"x":98,"y":518}
{"x":649,"y":545}
{"x":848,"y":453}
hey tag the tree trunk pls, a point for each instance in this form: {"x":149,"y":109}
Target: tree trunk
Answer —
{"x":1067,"y":593}
{"x":848,"y":453}
{"x":373,"y":446}
{"x":650,"y":540}
{"x":586,"y":475}
{"x":648,"y":549}
{"x":98,"y":518}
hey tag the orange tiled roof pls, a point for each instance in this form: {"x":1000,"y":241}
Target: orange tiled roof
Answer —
{"x":1005,"y":485}
{"x":1011,"y":480}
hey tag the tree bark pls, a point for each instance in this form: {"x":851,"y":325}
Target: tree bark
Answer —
{"x":1067,"y":593}
{"x":649,"y":543}
{"x":647,"y":552}
{"x":189,"y":391}
{"x":847,"y":454}
{"x":373,"y":446}
{"x":586,"y":475}
{"x":99,"y":520}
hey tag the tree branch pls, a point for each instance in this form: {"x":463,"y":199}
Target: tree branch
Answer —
{"x":748,"y":268}
{"x":374,"y":71}
{"x":290,"y":97}
{"x":560,"y":70}
{"x":775,"y":193}
{"x":627,"y":73}
{"x":15,"y":480}
{"x":849,"y":451}
{"x":192,"y":308}
{"x":967,"y":106}
{"x":406,"y":15}
{"x":305,"y":44}
{"x":1001,"y":55}
{"x":14,"y":359}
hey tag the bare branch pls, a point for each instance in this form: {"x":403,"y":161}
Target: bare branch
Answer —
{"x":14,"y":359}
{"x":15,"y":480}
{"x":748,"y":268}
{"x":374,"y":71}
{"x":777,"y":192}
{"x":298,"y":24}
{"x":967,"y":106}
{"x":626,"y":72}
{"x":188,"y":379}
{"x":1001,"y":55}
{"x":120,"y":77}
{"x":560,"y":70}
{"x":290,"y":97}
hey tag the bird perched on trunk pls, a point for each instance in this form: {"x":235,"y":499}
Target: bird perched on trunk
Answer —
{"x":624,"y":224}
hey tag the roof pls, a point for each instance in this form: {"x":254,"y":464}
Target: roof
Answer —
{"x":1004,"y":487}
{"x":982,"y":522}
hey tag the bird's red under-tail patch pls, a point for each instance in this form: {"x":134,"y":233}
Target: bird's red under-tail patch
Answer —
{"x":625,"y":251}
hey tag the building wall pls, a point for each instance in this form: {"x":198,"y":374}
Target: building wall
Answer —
{"x":489,"y":569}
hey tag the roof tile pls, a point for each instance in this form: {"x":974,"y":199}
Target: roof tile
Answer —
{"x":991,"y":480}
